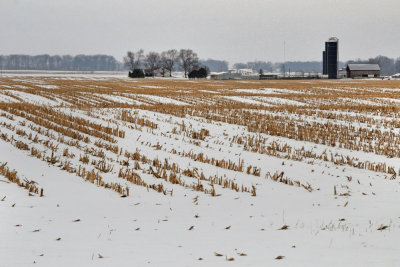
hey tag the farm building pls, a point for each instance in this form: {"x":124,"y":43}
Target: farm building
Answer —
{"x":330,"y":58}
{"x":232,"y":74}
{"x":342,"y":73}
{"x":363,"y":70}
{"x":269,"y":76}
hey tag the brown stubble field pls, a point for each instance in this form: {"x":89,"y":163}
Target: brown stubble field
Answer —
{"x":299,"y":143}
{"x":323,"y":112}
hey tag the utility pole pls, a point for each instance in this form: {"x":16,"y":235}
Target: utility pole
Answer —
{"x":284,"y":58}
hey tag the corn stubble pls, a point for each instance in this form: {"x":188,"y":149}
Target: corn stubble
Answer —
{"x":332,"y":115}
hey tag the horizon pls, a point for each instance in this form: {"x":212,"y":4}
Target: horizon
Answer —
{"x":202,"y":58}
{"x":251,"y":32}
{"x":221,"y":133}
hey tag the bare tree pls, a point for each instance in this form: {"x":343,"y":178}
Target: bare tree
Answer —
{"x":152,"y":61}
{"x":188,"y":60}
{"x":162,"y":70}
{"x":129,"y":60}
{"x":168,"y":60}
{"x":133,"y":60}
{"x":139,"y":58}
{"x":397,"y":65}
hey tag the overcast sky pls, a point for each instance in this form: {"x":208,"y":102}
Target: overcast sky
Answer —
{"x":234,"y":30}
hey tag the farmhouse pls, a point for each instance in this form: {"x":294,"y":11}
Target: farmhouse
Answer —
{"x":363,"y":70}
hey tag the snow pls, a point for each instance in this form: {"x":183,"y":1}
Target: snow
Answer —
{"x":264,"y":101}
{"x":48,"y":86}
{"x":121,"y":99}
{"x":279,"y":101}
{"x":208,"y":91}
{"x":162,"y":100}
{"x":393,"y":100}
{"x":7,"y":99}
{"x":64,"y":75}
{"x":268,"y":91}
{"x":246,"y":100}
{"x":33,"y":99}
{"x":148,"y":228}
{"x":152,"y":86}
{"x":358,"y":101}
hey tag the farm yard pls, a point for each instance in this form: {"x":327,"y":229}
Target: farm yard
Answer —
{"x":111,"y":171}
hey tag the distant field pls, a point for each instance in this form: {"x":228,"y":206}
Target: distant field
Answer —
{"x":111,"y":171}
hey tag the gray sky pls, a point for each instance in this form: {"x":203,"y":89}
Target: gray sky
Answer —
{"x":234,"y":30}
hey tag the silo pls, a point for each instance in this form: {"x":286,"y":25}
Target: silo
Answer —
{"x":332,"y":57}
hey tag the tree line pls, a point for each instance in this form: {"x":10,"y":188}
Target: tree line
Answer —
{"x":141,"y":64}
{"x":172,"y":60}
{"x":90,"y":63}
{"x":389,"y":66}
{"x":61,"y":63}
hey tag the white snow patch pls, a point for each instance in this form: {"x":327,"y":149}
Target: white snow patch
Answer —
{"x":162,"y":100}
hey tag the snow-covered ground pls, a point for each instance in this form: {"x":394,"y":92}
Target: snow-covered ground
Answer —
{"x":246,"y":100}
{"x":210,"y":190}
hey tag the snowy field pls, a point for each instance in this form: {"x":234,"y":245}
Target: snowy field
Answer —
{"x":102,"y":170}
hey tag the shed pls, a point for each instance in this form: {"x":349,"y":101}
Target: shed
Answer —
{"x":269,"y":76}
{"x":363,"y":70}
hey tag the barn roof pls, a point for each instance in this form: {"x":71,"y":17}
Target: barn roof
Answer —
{"x":364,"y":67}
